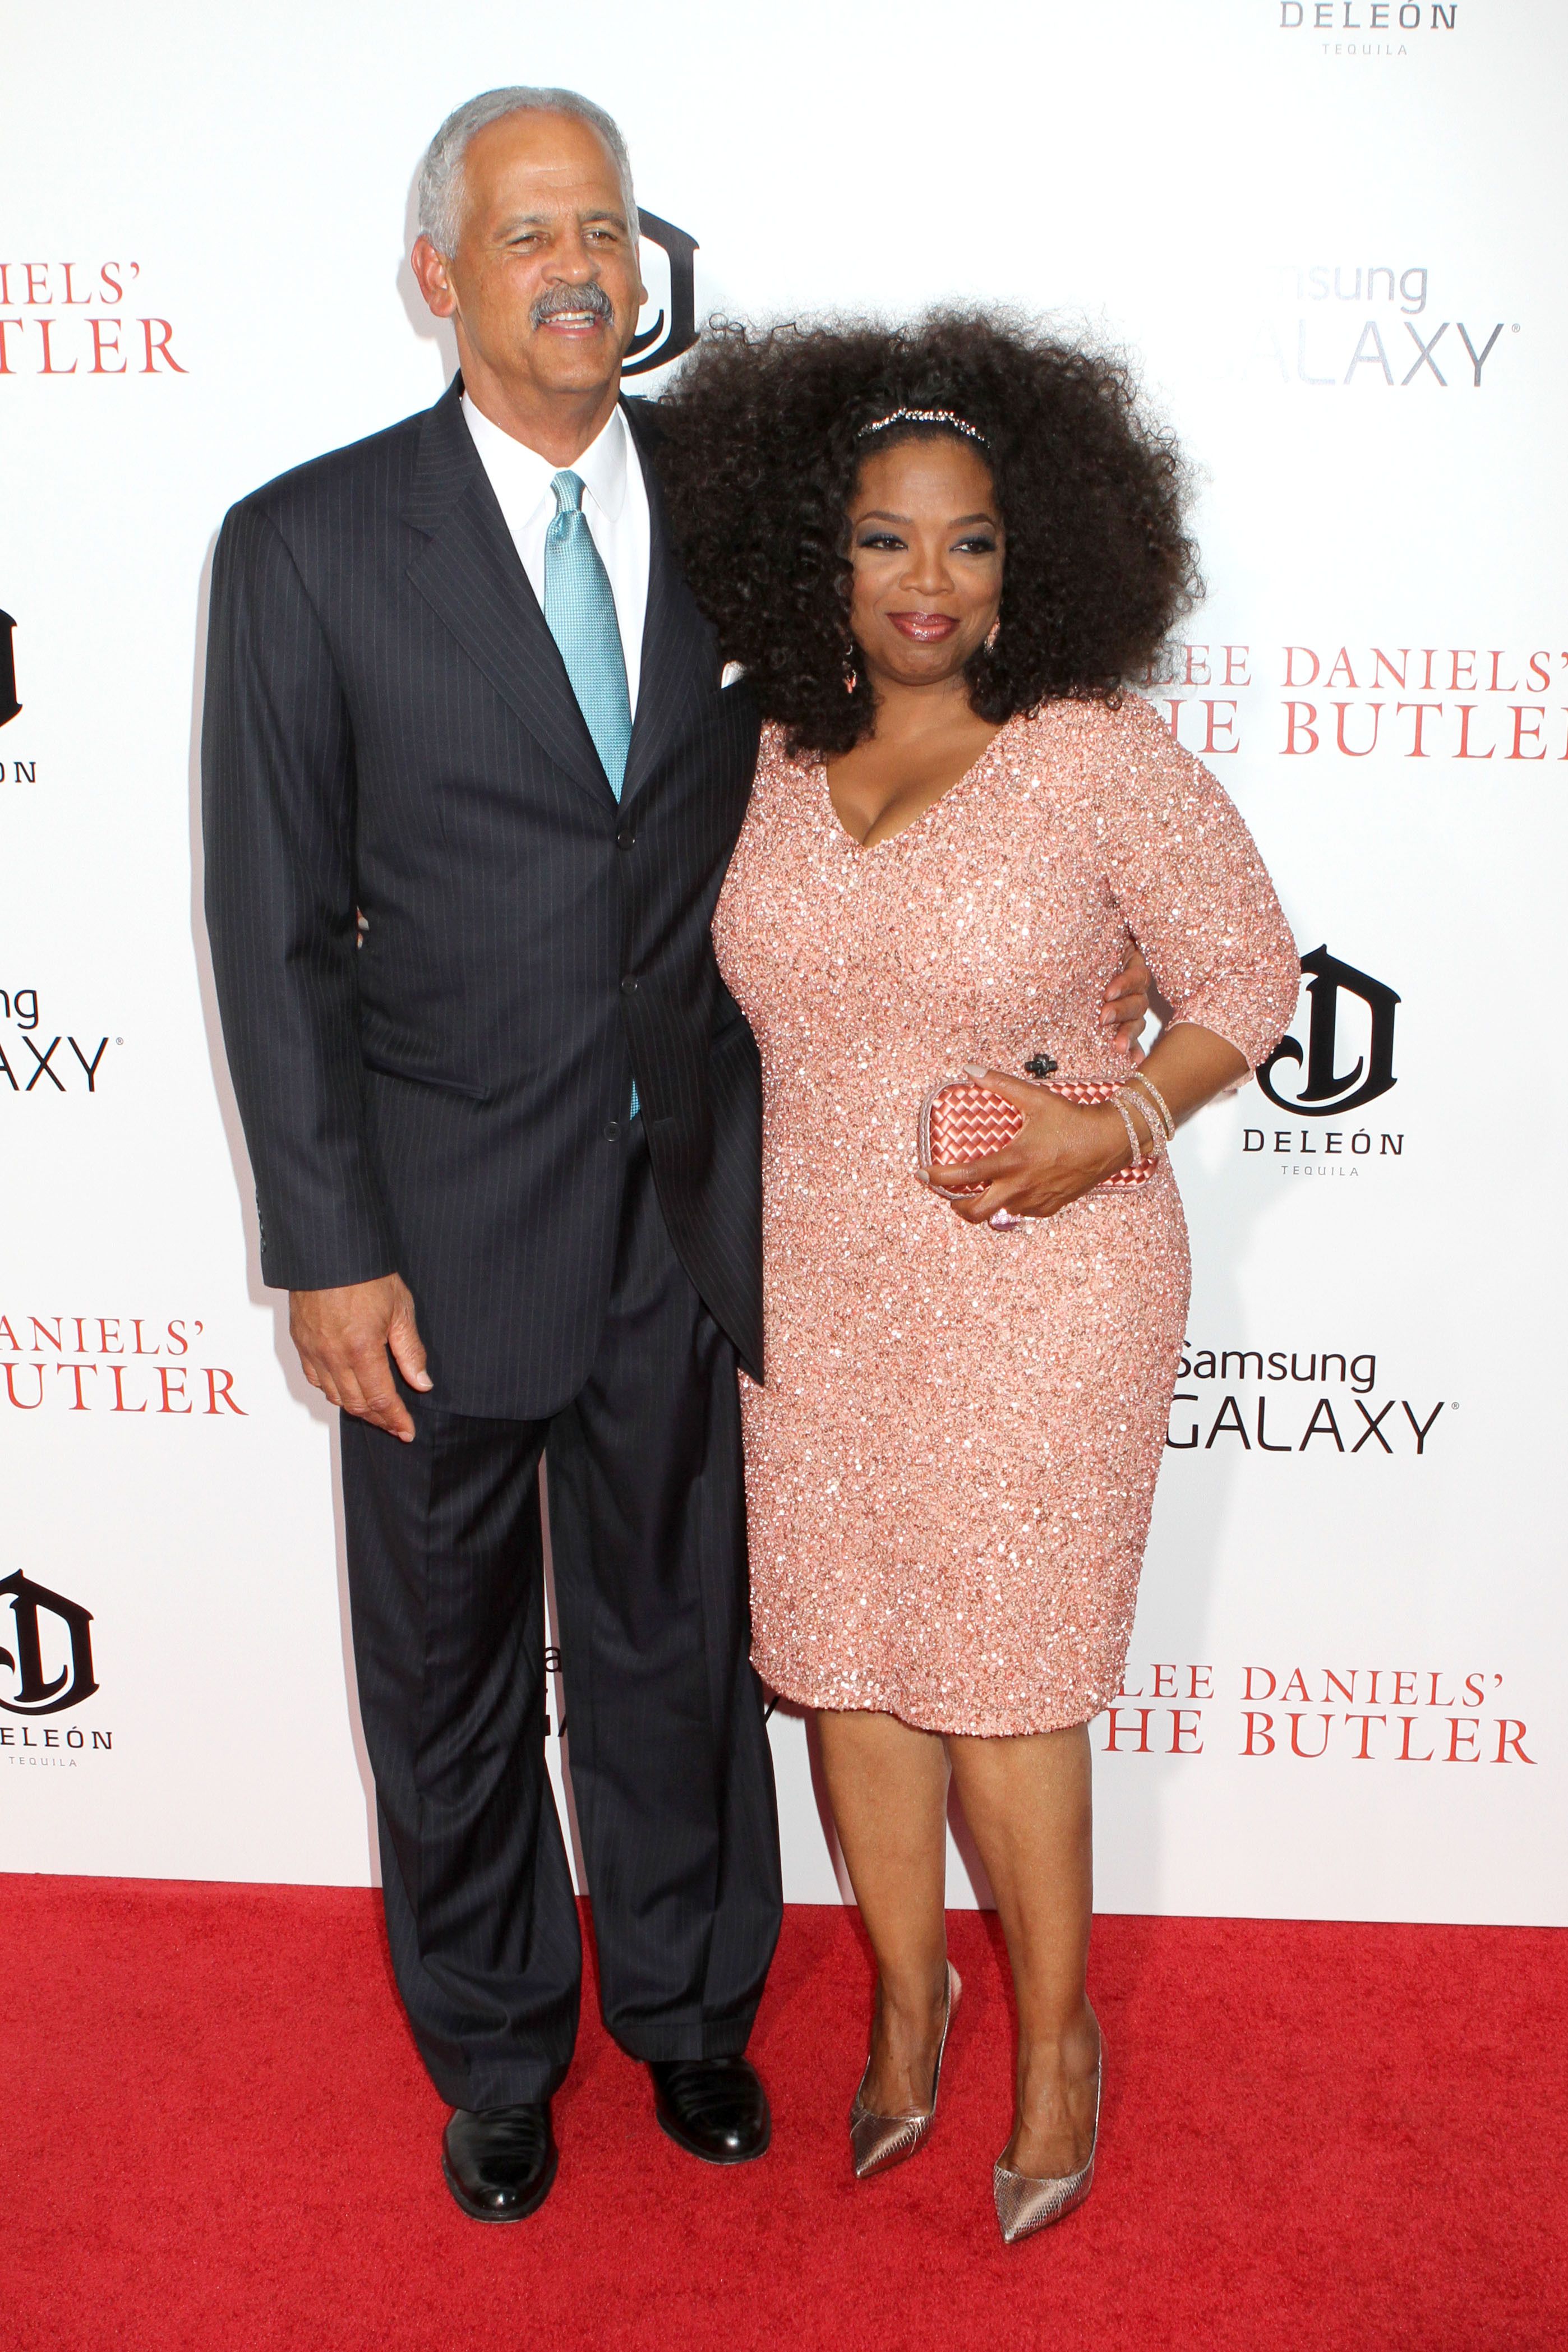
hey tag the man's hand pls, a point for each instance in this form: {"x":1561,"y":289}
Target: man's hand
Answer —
{"x":1126,"y":1006}
{"x":342,"y":1337}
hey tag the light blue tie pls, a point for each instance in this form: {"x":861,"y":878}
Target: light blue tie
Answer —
{"x":579,"y":612}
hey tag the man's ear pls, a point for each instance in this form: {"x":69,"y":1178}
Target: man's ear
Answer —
{"x":430,"y":269}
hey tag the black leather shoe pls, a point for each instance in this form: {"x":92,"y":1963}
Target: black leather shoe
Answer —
{"x":712,"y":2108}
{"x":499,"y":2166}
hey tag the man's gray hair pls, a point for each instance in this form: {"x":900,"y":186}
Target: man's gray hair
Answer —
{"x":441,"y":173}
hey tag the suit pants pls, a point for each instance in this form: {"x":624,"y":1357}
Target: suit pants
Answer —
{"x":668,"y":1754}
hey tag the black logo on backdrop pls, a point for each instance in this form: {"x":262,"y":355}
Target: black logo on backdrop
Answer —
{"x":32,"y":1694}
{"x":675,"y":331}
{"x":9,"y":706}
{"x":1327,"y":1090}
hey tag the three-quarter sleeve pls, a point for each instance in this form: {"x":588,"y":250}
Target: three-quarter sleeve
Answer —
{"x":1195,"y":894}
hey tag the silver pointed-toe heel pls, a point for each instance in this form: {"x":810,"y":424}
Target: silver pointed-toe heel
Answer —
{"x":1025,"y":2205}
{"x":876,"y":2142}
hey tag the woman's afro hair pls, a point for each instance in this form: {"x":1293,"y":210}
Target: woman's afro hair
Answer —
{"x":758,"y":453}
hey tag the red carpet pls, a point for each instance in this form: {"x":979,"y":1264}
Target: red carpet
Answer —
{"x":217,"y":2136}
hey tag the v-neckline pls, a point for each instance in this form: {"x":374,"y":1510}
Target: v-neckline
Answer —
{"x":929,"y":809}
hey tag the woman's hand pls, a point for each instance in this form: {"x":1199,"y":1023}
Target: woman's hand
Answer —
{"x":1062,"y":1151}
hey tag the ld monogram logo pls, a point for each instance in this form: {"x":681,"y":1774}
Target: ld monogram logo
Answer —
{"x":9,"y":706}
{"x":1326,"y":1090}
{"x":674,"y":331}
{"x":32,"y":1694}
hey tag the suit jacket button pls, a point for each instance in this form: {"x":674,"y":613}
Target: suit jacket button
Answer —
{"x":629,"y":986}
{"x":626,"y":835}
{"x":612,"y":1129}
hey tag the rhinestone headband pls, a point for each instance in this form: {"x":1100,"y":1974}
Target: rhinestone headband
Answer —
{"x":925,"y":416}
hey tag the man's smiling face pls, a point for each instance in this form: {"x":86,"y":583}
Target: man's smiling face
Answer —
{"x":544,"y":287}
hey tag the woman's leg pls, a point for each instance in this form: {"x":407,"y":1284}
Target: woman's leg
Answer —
{"x":888,"y":1785}
{"x":1027,"y":1803}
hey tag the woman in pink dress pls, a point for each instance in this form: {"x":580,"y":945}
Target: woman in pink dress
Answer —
{"x":940,"y":553}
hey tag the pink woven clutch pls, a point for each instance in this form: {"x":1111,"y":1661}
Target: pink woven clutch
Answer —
{"x":961,"y":1120}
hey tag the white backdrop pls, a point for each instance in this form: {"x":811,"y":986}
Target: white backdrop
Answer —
{"x":1331,"y":235}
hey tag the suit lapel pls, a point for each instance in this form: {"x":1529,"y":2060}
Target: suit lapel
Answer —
{"x":468,"y":571}
{"x":679,"y":657}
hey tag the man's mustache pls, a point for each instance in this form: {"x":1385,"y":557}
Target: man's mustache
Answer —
{"x":591,"y":298}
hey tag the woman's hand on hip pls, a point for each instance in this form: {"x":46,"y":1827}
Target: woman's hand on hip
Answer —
{"x":1061,"y":1151}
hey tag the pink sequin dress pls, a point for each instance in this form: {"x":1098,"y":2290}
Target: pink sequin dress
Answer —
{"x":949,"y":1471}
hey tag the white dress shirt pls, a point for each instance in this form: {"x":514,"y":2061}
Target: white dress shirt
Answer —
{"x":614,"y":500}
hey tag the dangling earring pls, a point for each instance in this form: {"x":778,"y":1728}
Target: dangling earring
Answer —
{"x":992,"y":633}
{"x":851,"y":677}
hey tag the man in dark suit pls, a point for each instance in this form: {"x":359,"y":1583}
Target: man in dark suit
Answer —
{"x":505,"y":1137}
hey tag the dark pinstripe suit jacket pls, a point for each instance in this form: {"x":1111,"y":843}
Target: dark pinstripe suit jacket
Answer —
{"x":389,"y":726}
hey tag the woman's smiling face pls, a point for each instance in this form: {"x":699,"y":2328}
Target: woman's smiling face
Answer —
{"x":927,"y":546}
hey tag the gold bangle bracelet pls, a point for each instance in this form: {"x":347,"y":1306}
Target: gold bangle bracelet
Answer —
{"x":1117,"y":1104}
{"x":1127,"y":1102}
{"x":1166,"y":1118}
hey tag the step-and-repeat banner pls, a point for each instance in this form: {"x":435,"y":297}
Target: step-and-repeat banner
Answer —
{"x":1331,"y":238}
